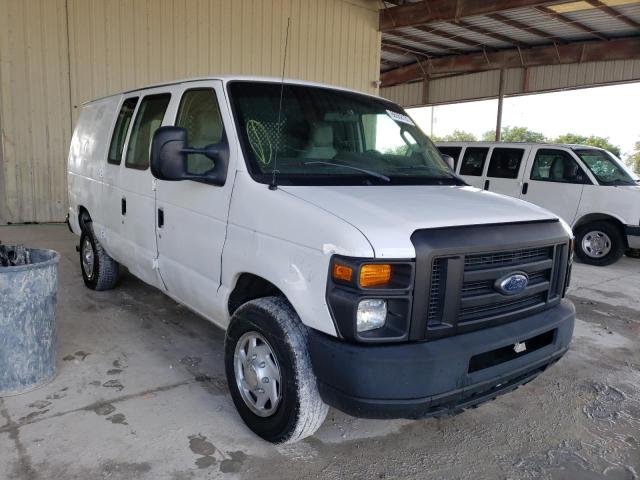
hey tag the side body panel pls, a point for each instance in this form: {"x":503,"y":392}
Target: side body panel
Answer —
{"x":506,"y":186}
{"x":563,"y":199}
{"x":87,"y":158}
{"x":192,"y":238}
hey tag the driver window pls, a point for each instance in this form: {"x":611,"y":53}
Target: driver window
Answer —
{"x":552,"y":165}
{"x":199,"y":114}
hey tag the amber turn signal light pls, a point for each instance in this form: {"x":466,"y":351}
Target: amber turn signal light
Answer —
{"x":342,"y":272}
{"x":375,"y":274}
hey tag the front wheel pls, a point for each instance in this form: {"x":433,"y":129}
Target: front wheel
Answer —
{"x":599,"y":243}
{"x":269,"y":371}
{"x":99,"y":270}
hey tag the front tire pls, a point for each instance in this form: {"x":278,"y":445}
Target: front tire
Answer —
{"x":99,"y":270}
{"x":599,"y":243}
{"x":269,"y":371}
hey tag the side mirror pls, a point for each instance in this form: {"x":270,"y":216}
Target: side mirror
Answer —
{"x":448,"y":159}
{"x":170,"y":151}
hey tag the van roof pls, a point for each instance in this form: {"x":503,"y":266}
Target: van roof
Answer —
{"x":516,"y":144}
{"x":228,"y":78}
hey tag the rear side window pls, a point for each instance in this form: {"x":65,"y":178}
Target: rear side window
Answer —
{"x":505,"y":162}
{"x":453,"y":152}
{"x":148,"y":120}
{"x":552,"y":165}
{"x":199,"y":114}
{"x":120,"y":130}
{"x":473,"y":161}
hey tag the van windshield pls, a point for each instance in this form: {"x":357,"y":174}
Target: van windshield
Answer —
{"x":604,"y":167}
{"x":331,"y":137}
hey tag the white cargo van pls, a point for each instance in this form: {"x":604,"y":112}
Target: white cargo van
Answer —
{"x":321,"y":228}
{"x":588,"y":187}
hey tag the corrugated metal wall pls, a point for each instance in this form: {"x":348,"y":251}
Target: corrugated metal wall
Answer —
{"x":35,"y":112}
{"x":56,"y":54}
{"x":518,"y":81}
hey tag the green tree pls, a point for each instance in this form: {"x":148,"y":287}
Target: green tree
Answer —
{"x":593,"y":140}
{"x":633,"y":159}
{"x":516,"y":134}
{"x":460,"y":136}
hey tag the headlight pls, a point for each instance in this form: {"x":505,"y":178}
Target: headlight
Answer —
{"x":372,"y":314}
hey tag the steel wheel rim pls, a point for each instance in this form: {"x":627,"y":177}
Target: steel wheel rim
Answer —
{"x":257,"y":374}
{"x":87,"y":258}
{"x":596,"y":244}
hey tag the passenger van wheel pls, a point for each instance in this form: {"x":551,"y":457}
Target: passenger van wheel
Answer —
{"x":599,"y":243}
{"x":269,"y":371}
{"x":99,"y":270}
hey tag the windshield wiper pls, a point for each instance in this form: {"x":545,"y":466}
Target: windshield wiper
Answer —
{"x":368,"y":172}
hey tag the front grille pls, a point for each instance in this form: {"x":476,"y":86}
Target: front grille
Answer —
{"x":509,"y":306}
{"x":513,"y":257}
{"x":486,"y":286}
{"x":476,"y":302}
{"x":435,"y":291}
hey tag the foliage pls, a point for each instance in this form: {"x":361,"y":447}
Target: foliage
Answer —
{"x":400,"y":150}
{"x":593,"y":140}
{"x":460,"y":136}
{"x":516,"y":134}
{"x":633,"y":159}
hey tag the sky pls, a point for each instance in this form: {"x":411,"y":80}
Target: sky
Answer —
{"x":611,"y":111}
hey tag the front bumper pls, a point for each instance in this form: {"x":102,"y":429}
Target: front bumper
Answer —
{"x":432,"y":378}
{"x":633,"y":236}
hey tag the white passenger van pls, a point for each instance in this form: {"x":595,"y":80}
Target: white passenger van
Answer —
{"x":588,"y":187}
{"x":323,"y":231}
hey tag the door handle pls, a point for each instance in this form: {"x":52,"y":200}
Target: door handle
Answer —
{"x":123,"y":206}
{"x":486,"y":184}
{"x":160,"y":218}
{"x":525,"y":188}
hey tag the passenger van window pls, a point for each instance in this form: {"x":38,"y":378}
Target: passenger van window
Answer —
{"x":120,"y":130}
{"x":505,"y":162}
{"x":473,"y":161}
{"x":552,"y":165}
{"x":148,"y":120}
{"x":199,"y":114}
{"x":453,"y":152}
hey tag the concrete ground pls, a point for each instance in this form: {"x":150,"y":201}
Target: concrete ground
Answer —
{"x":141,"y":394}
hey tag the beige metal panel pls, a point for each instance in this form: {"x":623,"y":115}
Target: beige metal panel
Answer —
{"x":122,"y":44}
{"x":35,"y":122}
{"x":455,"y":88}
{"x":406,"y":94}
{"x":56,"y":54}
{"x":559,"y":77}
{"x":518,"y":81}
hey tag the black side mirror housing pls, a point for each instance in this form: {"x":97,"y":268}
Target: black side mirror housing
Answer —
{"x":169,"y":153}
{"x":448,"y":159}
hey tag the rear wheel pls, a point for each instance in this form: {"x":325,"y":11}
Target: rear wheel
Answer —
{"x":599,"y":243}
{"x":269,"y":371}
{"x":99,"y":270}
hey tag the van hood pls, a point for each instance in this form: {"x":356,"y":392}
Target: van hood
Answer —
{"x":387,"y":215}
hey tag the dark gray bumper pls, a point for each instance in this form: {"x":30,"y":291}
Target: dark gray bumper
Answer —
{"x":433,"y":378}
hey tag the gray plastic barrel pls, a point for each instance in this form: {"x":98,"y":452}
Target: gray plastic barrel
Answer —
{"x":28,"y":322}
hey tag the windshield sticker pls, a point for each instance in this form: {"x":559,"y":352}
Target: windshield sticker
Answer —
{"x":398,"y":117}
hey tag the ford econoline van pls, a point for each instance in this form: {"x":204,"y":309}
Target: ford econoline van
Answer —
{"x":588,"y":187}
{"x":323,"y":231}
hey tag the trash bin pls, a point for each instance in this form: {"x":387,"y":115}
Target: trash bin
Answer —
{"x":28,"y":286}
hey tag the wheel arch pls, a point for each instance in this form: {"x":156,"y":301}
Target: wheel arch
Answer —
{"x":600,"y":217}
{"x":249,"y":286}
{"x":83,"y":217}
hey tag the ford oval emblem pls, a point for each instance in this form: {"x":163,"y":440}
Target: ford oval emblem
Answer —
{"x":513,"y":283}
